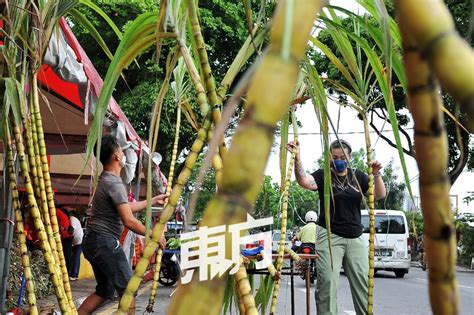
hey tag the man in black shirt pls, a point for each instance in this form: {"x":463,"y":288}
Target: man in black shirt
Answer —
{"x":348,"y":249}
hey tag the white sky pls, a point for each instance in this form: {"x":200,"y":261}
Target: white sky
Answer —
{"x":311,"y":148}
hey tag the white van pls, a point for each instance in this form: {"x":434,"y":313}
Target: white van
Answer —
{"x":390,"y":243}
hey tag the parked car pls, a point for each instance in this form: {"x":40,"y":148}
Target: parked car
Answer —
{"x":276,"y":240}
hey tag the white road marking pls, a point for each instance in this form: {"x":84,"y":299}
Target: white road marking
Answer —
{"x":459,"y":285}
{"x":349,"y":312}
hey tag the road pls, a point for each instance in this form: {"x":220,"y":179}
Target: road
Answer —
{"x":408,"y":295}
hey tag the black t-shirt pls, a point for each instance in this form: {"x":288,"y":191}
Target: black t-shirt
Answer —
{"x":345,"y":202}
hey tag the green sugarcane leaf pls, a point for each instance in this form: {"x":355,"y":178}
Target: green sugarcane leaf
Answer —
{"x":139,"y":36}
{"x":318,"y":96}
{"x":99,"y":11}
{"x":336,"y":61}
{"x":84,"y":21}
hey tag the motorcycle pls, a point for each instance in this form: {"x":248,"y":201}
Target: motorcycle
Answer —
{"x":170,"y":270}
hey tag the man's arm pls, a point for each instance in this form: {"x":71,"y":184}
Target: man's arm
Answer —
{"x":141,"y":205}
{"x":128,"y":220}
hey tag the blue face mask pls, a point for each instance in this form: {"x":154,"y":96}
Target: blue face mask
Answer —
{"x":340,"y":165}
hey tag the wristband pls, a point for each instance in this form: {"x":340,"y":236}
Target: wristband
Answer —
{"x":376,"y":175}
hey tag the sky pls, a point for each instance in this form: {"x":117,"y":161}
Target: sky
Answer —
{"x":351,"y":129}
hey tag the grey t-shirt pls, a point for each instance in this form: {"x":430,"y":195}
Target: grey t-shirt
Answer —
{"x":110,"y":192}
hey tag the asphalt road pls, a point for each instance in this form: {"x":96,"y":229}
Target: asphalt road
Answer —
{"x":408,"y":295}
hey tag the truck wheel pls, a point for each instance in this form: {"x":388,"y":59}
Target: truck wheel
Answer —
{"x":400,"y":273}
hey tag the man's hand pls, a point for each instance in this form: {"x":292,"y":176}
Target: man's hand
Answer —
{"x":376,"y":167}
{"x":293,"y":144}
{"x":159,"y":200}
{"x":162,"y":242}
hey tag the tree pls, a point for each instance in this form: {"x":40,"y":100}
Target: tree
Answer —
{"x":224,"y":31}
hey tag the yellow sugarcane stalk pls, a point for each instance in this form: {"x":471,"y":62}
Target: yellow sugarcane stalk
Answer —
{"x":168,"y":211}
{"x":277,"y":72}
{"x":154,"y":286}
{"x":20,"y":233}
{"x":284,"y":219}
{"x":301,"y":264}
{"x":430,"y":140}
{"x":159,"y":255}
{"x":450,"y":57}
{"x":206,"y":70}
{"x":244,"y":291}
{"x":38,"y":223}
{"x":371,"y":204}
{"x":49,"y":191}
{"x":271,"y":268}
{"x":35,"y":164}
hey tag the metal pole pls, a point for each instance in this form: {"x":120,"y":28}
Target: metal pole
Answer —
{"x":308,"y":305}
{"x":292,"y":288}
{"x":6,"y":234}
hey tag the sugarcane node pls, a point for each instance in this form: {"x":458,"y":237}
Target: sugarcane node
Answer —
{"x":269,"y":130}
{"x":428,"y":133}
{"x":427,"y":51}
{"x":234,"y":199}
{"x":429,"y":87}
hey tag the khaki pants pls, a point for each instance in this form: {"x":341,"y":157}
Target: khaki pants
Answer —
{"x":352,"y":254}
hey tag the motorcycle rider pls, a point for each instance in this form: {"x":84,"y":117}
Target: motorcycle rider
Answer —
{"x":307,"y":233}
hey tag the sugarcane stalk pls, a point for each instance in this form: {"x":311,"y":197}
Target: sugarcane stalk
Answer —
{"x":49,"y":191}
{"x":284,"y":217}
{"x":430,"y":140}
{"x":206,"y":70}
{"x":38,"y":223}
{"x":371,"y":204}
{"x":156,"y":274}
{"x":35,"y":164}
{"x":244,"y":291}
{"x":201,"y":97}
{"x":154,"y":286}
{"x":20,"y":233}
{"x":168,"y":211}
{"x":278,"y":71}
{"x":301,"y":264}
{"x":271,"y":268}
{"x":450,"y":57}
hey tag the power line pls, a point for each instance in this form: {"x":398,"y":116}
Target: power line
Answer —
{"x":343,"y":133}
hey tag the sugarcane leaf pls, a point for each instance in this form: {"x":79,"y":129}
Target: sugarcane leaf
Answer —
{"x":190,"y":115}
{"x":12,"y":100}
{"x":336,"y":61}
{"x":343,"y":44}
{"x":92,"y":30}
{"x":318,"y":96}
{"x":99,"y":11}
{"x":138,"y":37}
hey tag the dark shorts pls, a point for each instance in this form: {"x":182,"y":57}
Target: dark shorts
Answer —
{"x":111,"y":268}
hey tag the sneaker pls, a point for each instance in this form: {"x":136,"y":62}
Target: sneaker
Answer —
{"x":72,"y":278}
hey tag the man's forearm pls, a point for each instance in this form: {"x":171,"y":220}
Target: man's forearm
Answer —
{"x":138,"y":205}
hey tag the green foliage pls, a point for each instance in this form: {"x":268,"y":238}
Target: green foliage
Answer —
{"x":415,"y":218}
{"x":224,"y":31}
{"x":466,"y":244}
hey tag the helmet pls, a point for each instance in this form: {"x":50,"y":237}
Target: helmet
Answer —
{"x":311,"y":216}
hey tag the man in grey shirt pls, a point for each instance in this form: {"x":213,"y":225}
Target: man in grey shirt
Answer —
{"x":110,"y":212}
